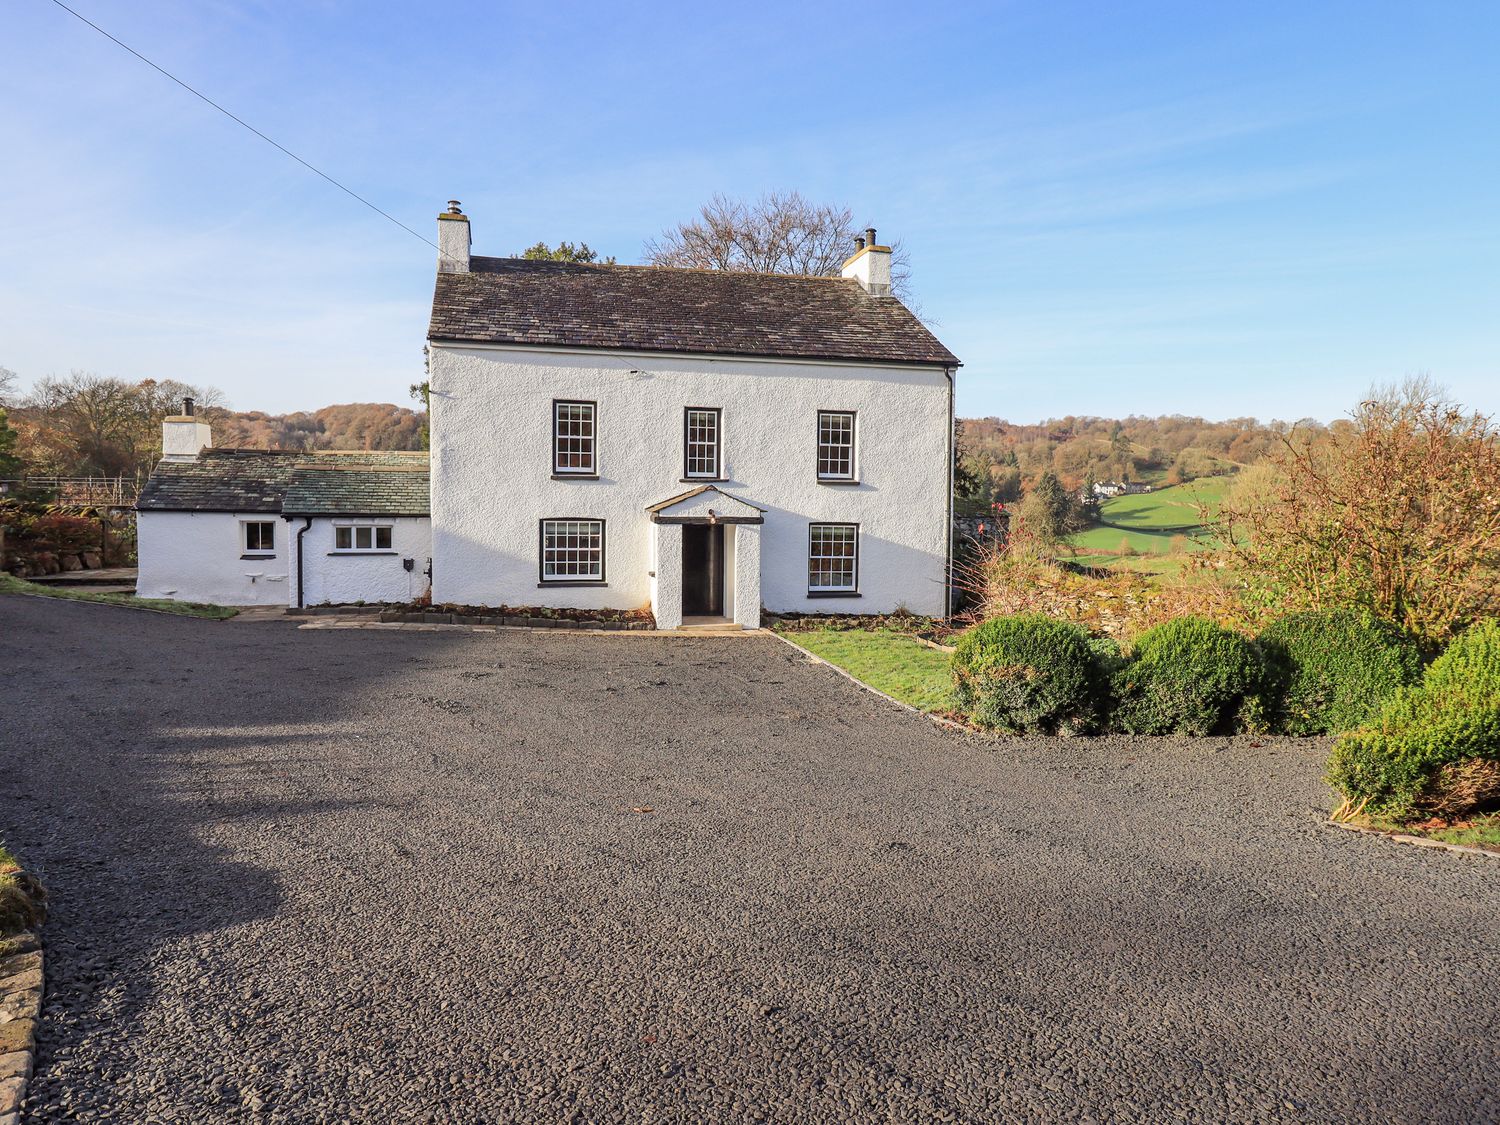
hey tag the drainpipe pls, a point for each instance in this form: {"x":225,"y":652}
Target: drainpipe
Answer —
{"x":952,"y":462}
{"x":301,"y":531}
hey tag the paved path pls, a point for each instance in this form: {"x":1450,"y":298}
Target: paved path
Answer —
{"x":306,"y":875}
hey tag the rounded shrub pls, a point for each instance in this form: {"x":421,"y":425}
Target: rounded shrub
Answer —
{"x":1189,"y":676}
{"x":1435,"y":746}
{"x":1330,"y":671}
{"x":1027,"y":674}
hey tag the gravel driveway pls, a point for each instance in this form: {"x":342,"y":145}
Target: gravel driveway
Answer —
{"x":452,"y":877}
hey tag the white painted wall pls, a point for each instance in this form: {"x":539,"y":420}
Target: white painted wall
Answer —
{"x":341,"y":578}
{"x":195,"y":557}
{"x":492,"y":463}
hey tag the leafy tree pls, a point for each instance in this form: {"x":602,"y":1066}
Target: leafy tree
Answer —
{"x":10,"y":464}
{"x":565,"y":252}
{"x":781,"y":232}
{"x":1050,"y":512}
{"x":1398,"y":512}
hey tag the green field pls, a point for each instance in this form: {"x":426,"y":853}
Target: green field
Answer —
{"x":1159,"y":526}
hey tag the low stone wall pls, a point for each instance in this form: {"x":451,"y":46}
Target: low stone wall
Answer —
{"x":20,"y":1011}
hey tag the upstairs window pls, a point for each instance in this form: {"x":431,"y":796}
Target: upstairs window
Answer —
{"x":259,"y":537}
{"x":572,"y":551}
{"x":832,"y":558}
{"x":573,"y":439}
{"x":358,"y":537}
{"x":702,"y":425}
{"x":836,"y":445}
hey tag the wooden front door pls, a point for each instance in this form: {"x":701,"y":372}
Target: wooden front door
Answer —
{"x":703,"y":570}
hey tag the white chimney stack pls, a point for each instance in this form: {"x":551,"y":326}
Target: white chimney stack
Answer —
{"x":185,"y":435}
{"x":453,"y":239}
{"x":870,"y":265}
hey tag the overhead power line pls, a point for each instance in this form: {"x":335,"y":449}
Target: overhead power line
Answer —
{"x":241,"y":121}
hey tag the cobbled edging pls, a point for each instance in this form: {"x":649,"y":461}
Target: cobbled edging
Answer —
{"x":1400,"y":838}
{"x":20,"y":1012}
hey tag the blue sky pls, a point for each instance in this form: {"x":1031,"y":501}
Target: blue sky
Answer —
{"x":1217,"y":209}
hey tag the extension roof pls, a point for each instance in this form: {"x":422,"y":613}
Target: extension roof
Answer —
{"x":661,"y":309}
{"x":332,"y":483}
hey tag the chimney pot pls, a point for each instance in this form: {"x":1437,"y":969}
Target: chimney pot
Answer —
{"x":187,"y":406}
{"x":870,"y":265}
{"x":455,"y":207}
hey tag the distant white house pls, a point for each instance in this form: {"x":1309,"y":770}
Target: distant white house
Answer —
{"x":706,"y":443}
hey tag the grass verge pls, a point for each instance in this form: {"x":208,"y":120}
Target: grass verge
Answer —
{"x":10,"y":585}
{"x":901,"y":666}
{"x":1475,"y":832}
{"x":21,"y":897}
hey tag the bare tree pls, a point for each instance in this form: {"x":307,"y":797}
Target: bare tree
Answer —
{"x":9,"y":380}
{"x":781,"y":232}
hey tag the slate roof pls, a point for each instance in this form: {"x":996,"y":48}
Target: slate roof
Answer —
{"x":348,"y":491}
{"x":260,"y":480}
{"x":657,"y":309}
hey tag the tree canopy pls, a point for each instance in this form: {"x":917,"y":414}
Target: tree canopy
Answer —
{"x":781,"y":232}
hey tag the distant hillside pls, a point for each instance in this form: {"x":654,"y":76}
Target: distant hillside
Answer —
{"x":355,"y":425}
{"x":1004,"y":458}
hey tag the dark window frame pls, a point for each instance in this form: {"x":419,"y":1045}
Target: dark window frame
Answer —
{"x":852,"y":477}
{"x":542,"y":581}
{"x":375,"y":547}
{"x":560,"y":472}
{"x":687,"y":460}
{"x":833,"y":592}
{"x":259,"y":551}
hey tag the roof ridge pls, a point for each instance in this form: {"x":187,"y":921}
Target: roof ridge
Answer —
{"x":646,"y":266}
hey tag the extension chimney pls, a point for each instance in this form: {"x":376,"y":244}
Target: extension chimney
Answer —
{"x":185,"y":435}
{"x":870,"y":265}
{"x":453,"y":239}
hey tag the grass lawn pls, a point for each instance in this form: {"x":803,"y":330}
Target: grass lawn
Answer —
{"x":892,"y":662}
{"x":9,"y":585}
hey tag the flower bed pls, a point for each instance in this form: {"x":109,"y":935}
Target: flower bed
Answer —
{"x":526,"y":616}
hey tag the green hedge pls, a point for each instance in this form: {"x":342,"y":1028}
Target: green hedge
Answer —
{"x":1425,"y":735}
{"x":1028,"y":674}
{"x":1330,"y":671}
{"x":1189,"y":676}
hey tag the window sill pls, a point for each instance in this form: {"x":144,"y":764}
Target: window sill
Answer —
{"x":360,"y":554}
{"x":701,"y":480}
{"x":575,"y":476}
{"x":261,"y":555}
{"x":837,"y":480}
{"x":833,"y":593}
{"x":581,"y":582}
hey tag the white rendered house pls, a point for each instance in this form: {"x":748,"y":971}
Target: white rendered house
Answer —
{"x":280,"y":527}
{"x":705,"y":442}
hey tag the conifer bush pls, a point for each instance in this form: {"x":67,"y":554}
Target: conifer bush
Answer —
{"x":1189,"y":676}
{"x":1028,"y":674}
{"x":1330,"y":671}
{"x":1435,"y":746}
